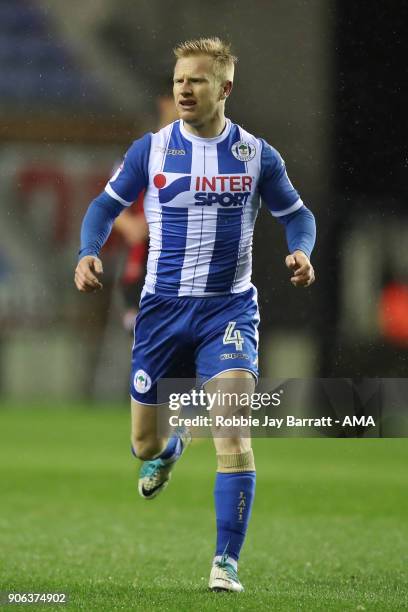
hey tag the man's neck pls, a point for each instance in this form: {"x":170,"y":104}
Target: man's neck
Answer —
{"x":207,"y":130}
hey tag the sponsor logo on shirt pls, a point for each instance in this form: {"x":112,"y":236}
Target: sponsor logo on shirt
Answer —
{"x":224,"y":190}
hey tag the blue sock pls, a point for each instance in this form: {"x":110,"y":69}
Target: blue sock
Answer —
{"x":234,"y":494}
{"x":172,"y":450}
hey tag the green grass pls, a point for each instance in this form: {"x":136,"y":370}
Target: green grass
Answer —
{"x":329,"y":528}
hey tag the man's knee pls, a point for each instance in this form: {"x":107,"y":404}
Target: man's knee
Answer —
{"x":146,"y":447}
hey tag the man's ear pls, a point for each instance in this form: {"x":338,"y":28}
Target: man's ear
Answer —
{"x":226,"y":89}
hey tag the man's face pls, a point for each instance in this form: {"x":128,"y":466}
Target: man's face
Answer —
{"x":197,"y":91}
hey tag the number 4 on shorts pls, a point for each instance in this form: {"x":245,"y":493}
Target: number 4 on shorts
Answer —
{"x":233,"y":336}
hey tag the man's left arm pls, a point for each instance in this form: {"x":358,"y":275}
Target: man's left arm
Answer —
{"x":285,"y":204}
{"x":300,"y":229}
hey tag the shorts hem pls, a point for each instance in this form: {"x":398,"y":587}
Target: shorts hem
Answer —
{"x":255,"y":375}
{"x":147,"y":404}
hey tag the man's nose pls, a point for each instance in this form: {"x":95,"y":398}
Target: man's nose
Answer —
{"x":186,"y":88}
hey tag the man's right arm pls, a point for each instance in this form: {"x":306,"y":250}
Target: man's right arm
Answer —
{"x":96,"y":227}
{"x":120,"y":192}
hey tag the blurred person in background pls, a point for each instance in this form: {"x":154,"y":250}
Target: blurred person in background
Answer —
{"x":203,"y":176}
{"x":132,"y":225}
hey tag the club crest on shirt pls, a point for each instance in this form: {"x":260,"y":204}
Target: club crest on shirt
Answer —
{"x":243,"y":151}
{"x":142,"y":381}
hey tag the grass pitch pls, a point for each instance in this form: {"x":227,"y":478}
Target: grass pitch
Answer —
{"x":329,"y":529}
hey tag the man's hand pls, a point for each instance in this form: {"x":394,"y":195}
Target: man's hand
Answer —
{"x":87,"y":272}
{"x":303,"y":270}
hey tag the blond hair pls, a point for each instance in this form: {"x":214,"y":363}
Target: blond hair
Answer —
{"x":219,"y":50}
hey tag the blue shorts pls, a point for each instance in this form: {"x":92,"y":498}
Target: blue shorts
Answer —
{"x":188,"y":337}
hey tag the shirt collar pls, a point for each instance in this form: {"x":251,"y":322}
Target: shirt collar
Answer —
{"x":198,"y":139}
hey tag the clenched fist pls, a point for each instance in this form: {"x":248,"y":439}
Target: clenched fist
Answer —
{"x":87,"y":272}
{"x":303,"y":275}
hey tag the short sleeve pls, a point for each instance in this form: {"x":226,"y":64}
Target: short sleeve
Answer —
{"x":132,"y":176}
{"x":275,"y":187}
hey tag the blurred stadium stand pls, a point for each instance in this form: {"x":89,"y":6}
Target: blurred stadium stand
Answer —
{"x":37,"y":70}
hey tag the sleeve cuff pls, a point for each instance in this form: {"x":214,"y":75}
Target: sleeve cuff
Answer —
{"x":115,"y":196}
{"x":287,"y":211}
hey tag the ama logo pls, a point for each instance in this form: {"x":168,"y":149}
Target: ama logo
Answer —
{"x":225,"y":190}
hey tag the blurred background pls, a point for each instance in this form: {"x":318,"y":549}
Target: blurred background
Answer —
{"x":322,"y":81}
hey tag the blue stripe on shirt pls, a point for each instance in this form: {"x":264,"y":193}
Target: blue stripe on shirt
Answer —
{"x":174,"y":237}
{"x":224,"y":258}
{"x":227,"y":163}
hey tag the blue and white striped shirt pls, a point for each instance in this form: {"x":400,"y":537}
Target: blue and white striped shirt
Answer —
{"x":201,"y":202}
